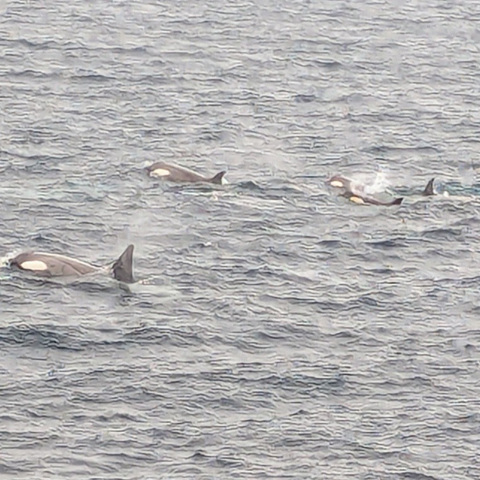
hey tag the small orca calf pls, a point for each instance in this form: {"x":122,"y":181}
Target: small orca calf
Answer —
{"x":178,"y":174}
{"x":53,"y":265}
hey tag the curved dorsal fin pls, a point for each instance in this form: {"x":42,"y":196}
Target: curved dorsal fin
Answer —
{"x":397,"y":201}
{"x":217,"y":179}
{"x":429,"y":189}
{"x":123,"y":268}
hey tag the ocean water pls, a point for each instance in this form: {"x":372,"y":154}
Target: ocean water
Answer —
{"x":276,"y":331}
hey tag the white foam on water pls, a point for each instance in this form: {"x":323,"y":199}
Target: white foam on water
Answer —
{"x":380,"y":184}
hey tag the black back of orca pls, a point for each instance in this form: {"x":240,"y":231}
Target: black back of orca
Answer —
{"x":175,"y":173}
{"x":356,"y":198}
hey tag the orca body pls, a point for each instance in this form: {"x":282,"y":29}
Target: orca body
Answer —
{"x":339,"y":181}
{"x":53,"y":265}
{"x":363,"y":199}
{"x":355,"y":192}
{"x":174,"y":173}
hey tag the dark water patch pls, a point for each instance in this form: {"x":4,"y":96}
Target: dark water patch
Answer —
{"x":335,"y":244}
{"x":12,"y":467}
{"x":34,"y":74}
{"x":442,"y":234}
{"x":382,"y":149}
{"x":304,"y":384}
{"x":86,"y":76}
{"x":44,"y":337}
{"x":412,"y":475}
{"x":389,"y":243}
{"x":304,"y":98}
{"x":248,"y":187}
{"x":262,"y":191}
{"x":165,"y":335}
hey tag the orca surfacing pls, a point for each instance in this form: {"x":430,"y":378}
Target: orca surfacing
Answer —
{"x":55,"y":265}
{"x":174,"y":173}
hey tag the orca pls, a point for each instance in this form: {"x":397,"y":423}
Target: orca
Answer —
{"x":338,"y":181}
{"x":54,"y":265}
{"x":364,"y":199}
{"x":355,"y":192}
{"x":177,"y":174}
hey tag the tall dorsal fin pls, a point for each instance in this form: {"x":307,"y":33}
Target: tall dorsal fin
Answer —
{"x":217,"y":179}
{"x":429,"y":189}
{"x":123,"y":268}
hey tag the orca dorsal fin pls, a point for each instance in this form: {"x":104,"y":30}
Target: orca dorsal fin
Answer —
{"x":122,"y":269}
{"x":217,"y":179}
{"x":429,"y":189}
{"x":397,"y":201}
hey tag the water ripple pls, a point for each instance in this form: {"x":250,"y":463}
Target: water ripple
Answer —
{"x":277,"y":331}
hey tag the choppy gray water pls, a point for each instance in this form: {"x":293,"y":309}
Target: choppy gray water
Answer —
{"x":277,"y":331}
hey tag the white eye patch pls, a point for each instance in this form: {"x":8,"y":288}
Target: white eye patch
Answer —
{"x":34,"y":265}
{"x":336,"y":183}
{"x":160,"y":172}
{"x":356,"y":200}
